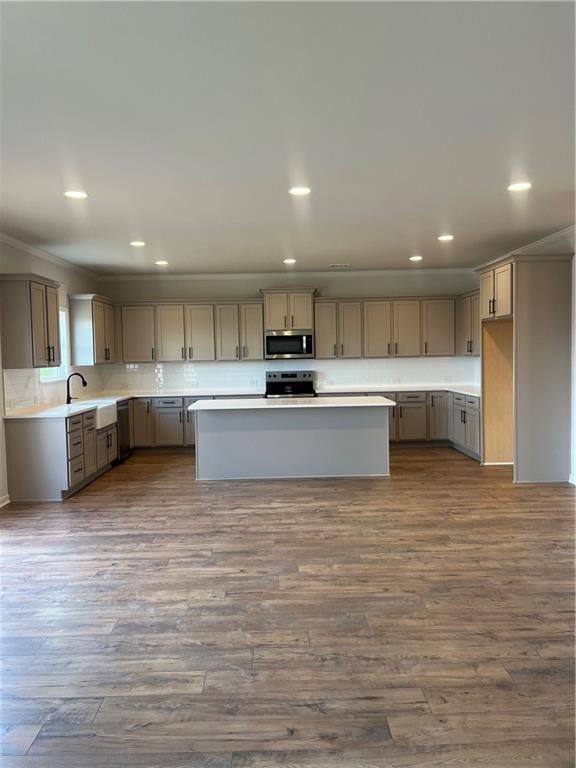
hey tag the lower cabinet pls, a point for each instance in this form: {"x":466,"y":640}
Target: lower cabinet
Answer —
{"x":168,"y":425}
{"x":90,"y":462}
{"x":438,"y":416}
{"x":142,"y":422}
{"x":106,"y":446}
{"x":473,"y":431}
{"x":161,"y":422}
{"x":412,"y":416}
{"x":466,"y":424}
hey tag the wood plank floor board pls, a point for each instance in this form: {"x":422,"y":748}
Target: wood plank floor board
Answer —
{"x":424,"y":620}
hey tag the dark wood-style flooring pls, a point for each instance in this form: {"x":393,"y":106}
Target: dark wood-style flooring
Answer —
{"x":425,"y":620}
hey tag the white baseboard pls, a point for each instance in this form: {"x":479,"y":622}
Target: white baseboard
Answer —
{"x":572,"y":479}
{"x":4,"y":500}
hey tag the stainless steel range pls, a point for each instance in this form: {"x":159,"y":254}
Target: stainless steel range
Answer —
{"x":290,"y":384}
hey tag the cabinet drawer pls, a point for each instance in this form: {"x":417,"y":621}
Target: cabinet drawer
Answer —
{"x":473,"y":403}
{"x":75,"y":444}
{"x":73,"y":422}
{"x":75,"y":471}
{"x":411,"y":397}
{"x":89,"y":419}
{"x":459,"y":399}
{"x":167,"y":402}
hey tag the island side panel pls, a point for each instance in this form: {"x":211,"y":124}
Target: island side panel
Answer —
{"x":292,"y":442}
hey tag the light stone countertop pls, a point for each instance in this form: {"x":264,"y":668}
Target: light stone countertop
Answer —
{"x":110,"y":398}
{"x":273,"y":404}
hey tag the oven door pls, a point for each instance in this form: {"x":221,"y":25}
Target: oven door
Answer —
{"x":289,"y":344}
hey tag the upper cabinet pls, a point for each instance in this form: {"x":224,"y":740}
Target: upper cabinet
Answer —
{"x":29,"y":322}
{"x":170,"y":333}
{"x":338,"y":331}
{"x":377,"y":329}
{"x":287,"y":310}
{"x":199,"y":323}
{"x":406,"y":328}
{"x":437,"y":327}
{"x":239,"y":332}
{"x":326,"y":329}
{"x":468,"y":325}
{"x":496,"y":292}
{"x":138,"y":334}
{"x":92,"y":330}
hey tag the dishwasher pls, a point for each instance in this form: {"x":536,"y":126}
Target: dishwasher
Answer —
{"x":124,"y":439}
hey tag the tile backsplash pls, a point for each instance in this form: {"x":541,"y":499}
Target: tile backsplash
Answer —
{"x":249,"y":375}
{"x":23,"y":388}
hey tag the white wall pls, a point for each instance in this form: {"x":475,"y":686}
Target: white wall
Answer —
{"x":409,"y":282}
{"x":573,"y":434}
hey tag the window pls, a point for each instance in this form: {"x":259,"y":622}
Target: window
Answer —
{"x":61,"y":372}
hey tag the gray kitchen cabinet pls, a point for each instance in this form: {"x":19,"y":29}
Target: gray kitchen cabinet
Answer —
{"x":496,"y":292}
{"x":437,"y":327}
{"x":438,"y":416}
{"x":251,"y":331}
{"x":92,"y":330}
{"x":350,"y":329}
{"x":168,"y":421}
{"x":466,"y":423}
{"x":326,"y":329}
{"x":473,"y":430}
{"x":106,"y":446}
{"x":138,"y":334}
{"x":288,"y":310}
{"x":377,"y":329}
{"x":458,"y":425}
{"x":412,"y":421}
{"x":29,"y":307}
{"x":90,"y":460}
{"x":227,"y":332}
{"x":450,"y":410}
{"x":199,"y":323}
{"x":171,"y":344}
{"x":142,"y":422}
{"x":468,"y":326}
{"x":392,"y":418}
{"x":406,"y":328}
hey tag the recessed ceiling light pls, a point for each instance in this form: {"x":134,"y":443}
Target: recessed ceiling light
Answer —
{"x":161,"y":263}
{"x":289,"y":261}
{"x":137,"y":243}
{"x":299,"y":191}
{"x":415,"y":258}
{"x":520,"y":186}
{"x":445,"y":238}
{"x":75,"y":194}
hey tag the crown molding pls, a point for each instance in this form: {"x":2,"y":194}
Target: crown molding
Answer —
{"x":532,"y":248}
{"x":19,"y":245}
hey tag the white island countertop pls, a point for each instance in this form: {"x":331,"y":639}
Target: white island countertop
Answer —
{"x":272,"y":403}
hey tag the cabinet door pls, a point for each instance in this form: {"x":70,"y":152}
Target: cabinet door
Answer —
{"x":377,"y":328}
{"x":503,"y":290}
{"x":99,"y":331}
{"x":392,"y":419}
{"x":40,"y":350}
{"x":412,"y":421}
{"x":326,"y":330}
{"x":112,"y":444}
{"x":141,"y":423}
{"x":110,"y":333}
{"x":473,"y":431}
{"x":350,"y":328}
{"x":406,"y":328}
{"x":102,"y":449}
{"x":138,"y":334}
{"x":450,"y":409}
{"x":463,"y":326}
{"x":227,"y":332}
{"x":438,"y":327}
{"x":300,"y":314}
{"x":276,"y":311}
{"x":439,"y":416}
{"x":170,"y":333}
{"x":90,"y":463}
{"x":486,"y":294}
{"x":168,"y":426}
{"x":190,"y":428}
{"x":53,"y":324}
{"x":251,"y":332}
{"x":458,"y":426}
{"x":200,"y":332}
{"x":475,"y":325}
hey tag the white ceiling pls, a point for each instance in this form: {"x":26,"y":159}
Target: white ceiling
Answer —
{"x":187,"y":123}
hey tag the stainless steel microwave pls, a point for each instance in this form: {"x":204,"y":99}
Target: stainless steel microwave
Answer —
{"x":288,"y":344}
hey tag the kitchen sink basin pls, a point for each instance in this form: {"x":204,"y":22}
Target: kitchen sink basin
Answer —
{"x":105,"y":412}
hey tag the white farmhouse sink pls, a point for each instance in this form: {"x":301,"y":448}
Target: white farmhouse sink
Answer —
{"x":105,"y":412}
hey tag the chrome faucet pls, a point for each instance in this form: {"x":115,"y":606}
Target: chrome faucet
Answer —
{"x":69,"y":397}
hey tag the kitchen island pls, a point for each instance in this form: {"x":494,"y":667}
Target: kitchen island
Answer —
{"x":292,"y":437}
